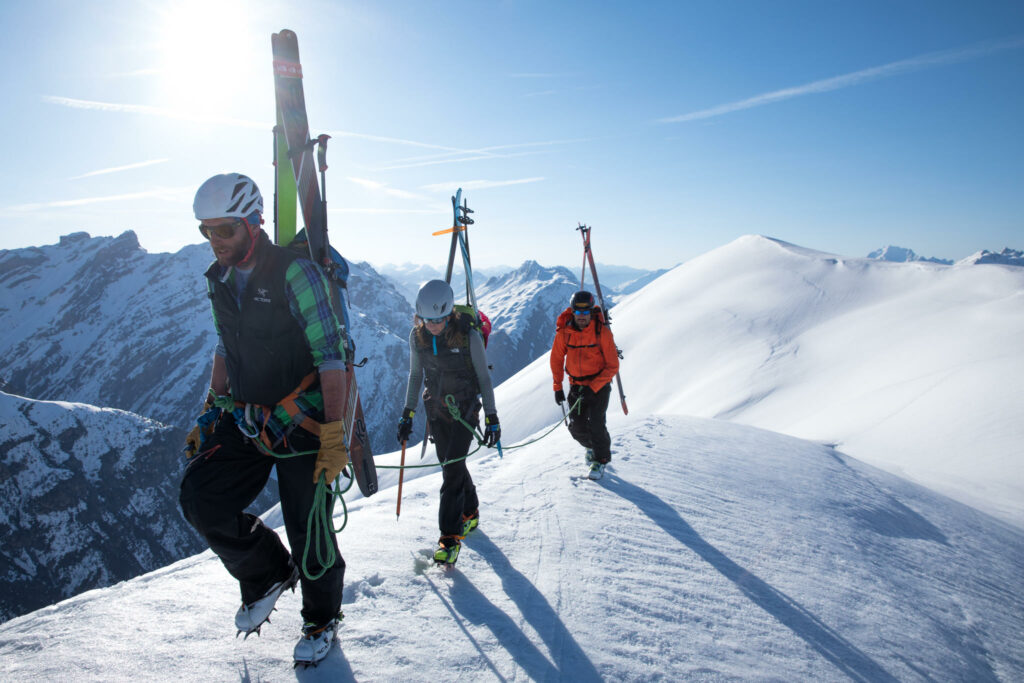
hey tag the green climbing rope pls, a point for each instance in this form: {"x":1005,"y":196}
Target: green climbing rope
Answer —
{"x":320,"y":522}
{"x":480,"y":443}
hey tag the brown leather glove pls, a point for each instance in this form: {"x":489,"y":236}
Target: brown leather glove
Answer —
{"x":333,"y":455}
{"x":192,"y":442}
{"x":202,"y":429}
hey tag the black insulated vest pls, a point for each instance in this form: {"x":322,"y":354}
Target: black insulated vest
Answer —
{"x":448,"y":371}
{"x":267,"y":353}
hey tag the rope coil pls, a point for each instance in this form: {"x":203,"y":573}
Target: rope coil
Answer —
{"x":320,"y":522}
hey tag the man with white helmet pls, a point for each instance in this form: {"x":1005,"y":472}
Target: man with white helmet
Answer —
{"x":275,"y":389}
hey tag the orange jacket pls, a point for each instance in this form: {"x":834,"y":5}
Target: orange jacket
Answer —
{"x":588,"y":357}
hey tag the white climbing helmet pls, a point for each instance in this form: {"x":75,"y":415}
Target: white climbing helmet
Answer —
{"x":228,"y":195}
{"x":435,"y":300}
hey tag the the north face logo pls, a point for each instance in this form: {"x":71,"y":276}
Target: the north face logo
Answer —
{"x":262,"y":295}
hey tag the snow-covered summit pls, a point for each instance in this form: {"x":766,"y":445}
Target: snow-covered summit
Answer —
{"x":1006,"y":257}
{"x":522,"y":306}
{"x":903,"y":255}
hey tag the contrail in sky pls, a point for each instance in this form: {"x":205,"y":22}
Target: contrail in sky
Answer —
{"x":478,"y":184}
{"x":162,"y":193}
{"x":116,"y":169}
{"x":223,"y":120}
{"x":382,"y":187}
{"x":926,"y":61}
{"x":152,"y":111}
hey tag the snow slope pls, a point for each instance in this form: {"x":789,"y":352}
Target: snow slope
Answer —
{"x":710,"y":551}
{"x":913,"y":367}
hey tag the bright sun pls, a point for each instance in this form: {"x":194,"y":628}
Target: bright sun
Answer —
{"x":209,"y":55}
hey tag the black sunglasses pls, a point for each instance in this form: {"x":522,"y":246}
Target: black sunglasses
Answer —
{"x":223,"y":232}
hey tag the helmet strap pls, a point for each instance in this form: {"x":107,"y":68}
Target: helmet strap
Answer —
{"x":253,"y":229}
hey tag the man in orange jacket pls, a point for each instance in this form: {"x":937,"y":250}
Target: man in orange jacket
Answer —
{"x":585,"y":350}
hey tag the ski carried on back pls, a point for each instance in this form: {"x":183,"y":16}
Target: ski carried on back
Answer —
{"x":460,"y":242}
{"x":296,"y":177}
{"x":588,"y":257}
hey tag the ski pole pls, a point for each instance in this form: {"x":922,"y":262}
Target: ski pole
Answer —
{"x":401,"y":475}
{"x":321,"y":157}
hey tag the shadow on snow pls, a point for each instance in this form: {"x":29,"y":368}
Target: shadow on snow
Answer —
{"x":570,"y":662}
{"x":829,"y":644}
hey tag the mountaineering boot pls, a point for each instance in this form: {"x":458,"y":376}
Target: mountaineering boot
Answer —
{"x":315,"y":642}
{"x":596,"y":470}
{"x":447,"y":550}
{"x":470,"y":522}
{"x":589,"y":456}
{"x":250,"y":618}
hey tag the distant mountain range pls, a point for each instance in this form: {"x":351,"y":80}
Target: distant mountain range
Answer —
{"x":903,"y":255}
{"x":101,"y":321}
{"x":408,"y":277}
{"x":1007,"y":257}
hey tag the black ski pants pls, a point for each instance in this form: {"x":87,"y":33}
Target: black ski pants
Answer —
{"x":458,"y":493}
{"x":222,"y":481}
{"x":587,"y":422}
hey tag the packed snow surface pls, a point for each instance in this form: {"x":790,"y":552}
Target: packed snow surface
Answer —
{"x":710,"y":550}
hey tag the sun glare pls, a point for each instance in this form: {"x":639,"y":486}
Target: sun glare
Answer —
{"x":209,"y":58}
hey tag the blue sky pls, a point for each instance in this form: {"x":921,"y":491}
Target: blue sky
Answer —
{"x":670,"y":127}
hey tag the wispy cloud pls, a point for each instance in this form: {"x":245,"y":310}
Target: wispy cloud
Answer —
{"x":481,"y":153}
{"x":384,"y":211}
{"x":925,"y":61}
{"x":395,"y":141}
{"x":154,"y":111}
{"x":456,"y":160}
{"x":116,"y":169}
{"x":478,"y":184}
{"x":536,"y":75}
{"x":383,"y":187}
{"x":163,"y":112}
{"x":135,"y":74}
{"x":164,"y":193}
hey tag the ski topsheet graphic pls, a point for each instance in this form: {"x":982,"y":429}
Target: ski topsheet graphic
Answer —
{"x":293,"y":149}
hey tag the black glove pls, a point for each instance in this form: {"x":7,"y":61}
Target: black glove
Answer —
{"x":492,"y":430}
{"x":559,"y":397}
{"x":405,"y":425}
